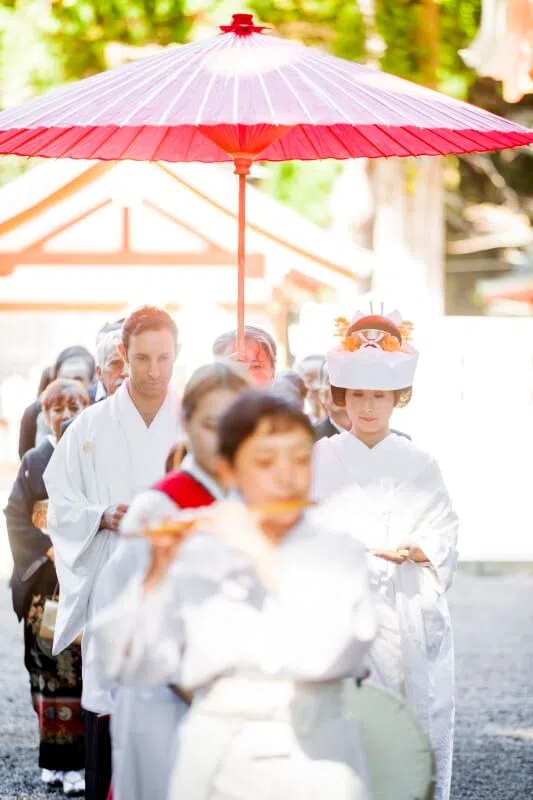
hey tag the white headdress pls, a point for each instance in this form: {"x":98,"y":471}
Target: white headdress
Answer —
{"x":374,"y":353}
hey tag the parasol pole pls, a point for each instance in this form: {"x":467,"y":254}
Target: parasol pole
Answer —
{"x":242,"y":169}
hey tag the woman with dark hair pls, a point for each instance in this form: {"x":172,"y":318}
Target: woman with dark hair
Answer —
{"x":260,"y":616}
{"x":74,"y":363}
{"x":55,"y":681}
{"x":144,"y":723}
{"x":394,"y":493}
{"x":291,"y":385}
{"x":47,"y":376}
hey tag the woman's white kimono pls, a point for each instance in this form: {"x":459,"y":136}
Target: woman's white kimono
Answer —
{"x":389,"y":495}
{"x":268,"y":719}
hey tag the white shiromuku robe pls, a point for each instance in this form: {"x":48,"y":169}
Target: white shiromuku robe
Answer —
{"x":106,"y":457}
{"x":389,"y":495}
{"x":144,"y":725}
{"x":268,"y":718}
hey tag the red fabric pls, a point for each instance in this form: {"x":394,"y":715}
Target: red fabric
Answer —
{"x":184,"y":490}
{"x":272,"y":99}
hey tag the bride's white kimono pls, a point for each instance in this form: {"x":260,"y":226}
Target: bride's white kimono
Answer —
{"x":268,"y":718}
{"x":389,"y":495}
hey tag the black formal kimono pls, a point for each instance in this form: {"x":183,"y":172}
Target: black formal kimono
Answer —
{"x":28,"y":427}
{"x":324,"y":429}
{"x":55,"y":681}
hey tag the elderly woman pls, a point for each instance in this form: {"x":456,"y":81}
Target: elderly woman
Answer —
{"x":259,"y":357}
{"x":55,"y":682}
{"x":74,"y":363}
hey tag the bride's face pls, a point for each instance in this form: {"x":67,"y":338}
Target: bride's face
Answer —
{"x":369,"y":411}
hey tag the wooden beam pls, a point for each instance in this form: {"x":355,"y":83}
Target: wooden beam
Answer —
{"x":76,"y":185}
{"x":211,"y":244}
{"x":108,"y":308}
{"x":38,"y":245}
{"x":489,"y":241}
{"x":255,"y":263}
{"x":346,"y":273}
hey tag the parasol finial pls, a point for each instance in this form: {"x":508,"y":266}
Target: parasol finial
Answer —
{"x":242,"y":25}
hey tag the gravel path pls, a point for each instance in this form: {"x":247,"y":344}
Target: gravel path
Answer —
{"x":493,"y":618}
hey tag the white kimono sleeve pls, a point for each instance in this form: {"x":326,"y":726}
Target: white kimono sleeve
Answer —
{"x":436,"y":526}
{"x":148,"y":509}
{"x":193,"y":628}
{"x":134,"y":634}
{"x":323,"y":622}
{"x":138,"y":638}
{"x":319,"y":626}
{"x":73,"y":520}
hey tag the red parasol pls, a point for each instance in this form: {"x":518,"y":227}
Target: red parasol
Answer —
{"x":243,"y":96}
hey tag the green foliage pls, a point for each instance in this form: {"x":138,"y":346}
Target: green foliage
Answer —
{"x":83,"y":28}
{"x":306,"y":187}
{"x":422,"y":41}
{"x":27,"y":65}
{"x":333,"y":24}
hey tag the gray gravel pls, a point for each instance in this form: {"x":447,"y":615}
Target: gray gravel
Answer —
{"x":493,"y":619}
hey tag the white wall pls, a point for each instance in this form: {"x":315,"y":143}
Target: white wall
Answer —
{"x":472,"y":408}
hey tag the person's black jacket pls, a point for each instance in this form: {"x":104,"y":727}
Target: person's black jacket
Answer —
{"x":325,"y":429}
{"x":28,"y":427}
{"x":28,"y":543}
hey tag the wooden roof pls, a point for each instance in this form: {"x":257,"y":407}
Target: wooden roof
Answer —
{"x":93,"y":214}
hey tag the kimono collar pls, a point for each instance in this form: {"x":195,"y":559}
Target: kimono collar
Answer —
{"x":192,"y":468}
{"x":52,"y":439}
{"x":356,"y":444}
{"x":130,"y":416}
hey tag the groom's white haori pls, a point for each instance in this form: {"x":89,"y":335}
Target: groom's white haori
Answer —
{"x":106,"y":457}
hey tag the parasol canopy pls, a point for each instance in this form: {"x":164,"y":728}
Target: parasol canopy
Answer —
{"x":242,"y":96}
{"x":244,"y":93}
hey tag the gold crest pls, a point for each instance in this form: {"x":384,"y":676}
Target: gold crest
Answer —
{"x":87,"y":446}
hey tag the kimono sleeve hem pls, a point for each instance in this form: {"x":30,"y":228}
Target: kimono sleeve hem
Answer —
{"x":99,"y":511}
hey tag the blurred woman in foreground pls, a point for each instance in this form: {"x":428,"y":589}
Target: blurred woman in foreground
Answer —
{"x":260,"y":616}
{"x":144,"y":724}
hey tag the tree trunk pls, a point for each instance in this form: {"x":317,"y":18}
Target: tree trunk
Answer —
{"x":408,"y":234}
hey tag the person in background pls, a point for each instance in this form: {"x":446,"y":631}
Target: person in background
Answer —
{"x":259,"y":357}
{"x":292,"y":385}
{"x":75,"y":363}
{"x":97,"y":390}
{"x":175,"y":457}
{"x":337,"y":419}
{"x":111,"y":369}
{"x":112,"y":451}
{"x":55,"y":681}
{"x":309,"y":369}
{"x":145,"y":723}
{"x":47,"y":376}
